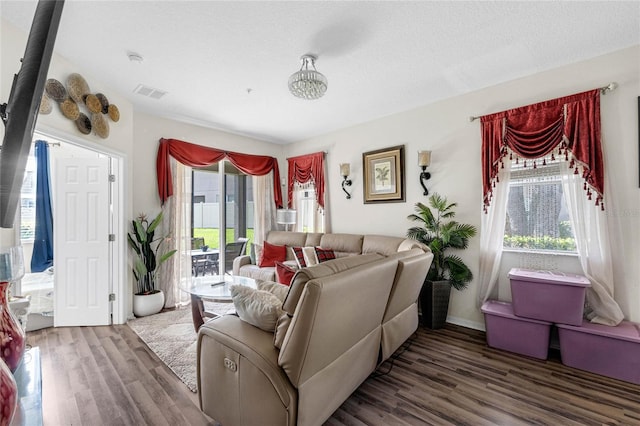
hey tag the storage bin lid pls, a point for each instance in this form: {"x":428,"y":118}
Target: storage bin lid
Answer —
{"x":626,"y":330}
{"x":549,"y":277}
{"x":505,"y":310}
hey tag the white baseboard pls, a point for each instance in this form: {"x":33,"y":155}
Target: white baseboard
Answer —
{"x":466,"y":323}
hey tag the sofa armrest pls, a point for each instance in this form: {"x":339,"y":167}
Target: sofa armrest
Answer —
{"x":239,"y":380}
{"x":240,"y":261}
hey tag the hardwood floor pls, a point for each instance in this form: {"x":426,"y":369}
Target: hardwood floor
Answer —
{"x":108,"y":376}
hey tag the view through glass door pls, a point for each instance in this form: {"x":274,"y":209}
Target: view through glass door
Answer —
{"x":222,"y":200}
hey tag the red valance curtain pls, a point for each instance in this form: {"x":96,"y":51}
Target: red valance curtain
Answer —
{"x":199,"y":156}
{"x":307,"y":168}
{"x":570,"y":123}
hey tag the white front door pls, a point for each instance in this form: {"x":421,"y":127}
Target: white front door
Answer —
{"x":81,"y":242}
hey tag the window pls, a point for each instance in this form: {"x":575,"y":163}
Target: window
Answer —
{"x":28,"y":201}
{"x":537,"y":215}
{"x":306,"y":209}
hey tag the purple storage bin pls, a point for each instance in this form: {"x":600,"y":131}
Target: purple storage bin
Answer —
{"x":610,"y":351}
{"x":548,"y":296}
{"x":515,"y":334}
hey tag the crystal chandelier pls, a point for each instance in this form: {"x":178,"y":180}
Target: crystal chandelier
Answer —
{"x":308,"y":83}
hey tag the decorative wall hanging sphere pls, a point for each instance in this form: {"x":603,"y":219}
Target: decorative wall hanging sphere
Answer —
{"x":55,"y":90}
{"x":84,"y":124}
{"x":104,"y":102}
{"x":100,"y":125}
{"x":45,"y":105}
{"x":70,"y":109}
{"x":77,"y":87}
{"x":114,"y":113}
{"x":93,"y":103}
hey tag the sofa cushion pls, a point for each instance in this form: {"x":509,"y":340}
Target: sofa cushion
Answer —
{"x":257,"y":307}
{"x":272,"y":253}
{"x":284,"y":273}
{"x":313,"y":239}
{"x":381,"y":244}
{"x":342,"y":244}
{"x":324,"y":255}
{"x":303,"y":275}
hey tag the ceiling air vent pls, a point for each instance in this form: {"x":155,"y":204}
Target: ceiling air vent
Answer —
{"x":149,"y":92}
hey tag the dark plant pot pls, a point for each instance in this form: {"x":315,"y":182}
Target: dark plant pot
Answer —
{"x":434,"y":303}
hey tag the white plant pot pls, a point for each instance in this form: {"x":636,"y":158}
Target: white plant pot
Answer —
{"x":148,"y":304}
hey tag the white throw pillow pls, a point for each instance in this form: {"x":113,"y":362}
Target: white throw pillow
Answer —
{"x":257,"y":307}
{"x":277,"y":289}
{"x":310,"y":257}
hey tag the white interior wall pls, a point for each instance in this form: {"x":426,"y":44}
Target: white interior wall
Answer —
{"x":444,"y":128}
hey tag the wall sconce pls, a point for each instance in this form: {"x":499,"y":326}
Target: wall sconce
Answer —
{"x":345,"y":170}
{"x":424,"y":160}
{"x":286,"y":217}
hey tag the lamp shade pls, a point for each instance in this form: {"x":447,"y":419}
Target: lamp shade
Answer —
{"x":424,"y":158}
{"x":286,"y":216}
{"x":345,"y":169}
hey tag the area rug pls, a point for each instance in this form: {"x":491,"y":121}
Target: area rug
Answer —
{"x":171,"y":336}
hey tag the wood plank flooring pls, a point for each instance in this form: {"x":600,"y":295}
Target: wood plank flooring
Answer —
{"x":108,"y":376}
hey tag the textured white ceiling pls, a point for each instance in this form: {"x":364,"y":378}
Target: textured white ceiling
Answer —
{"x":380,"y":57}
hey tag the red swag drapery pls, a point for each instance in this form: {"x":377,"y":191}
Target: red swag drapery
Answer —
{"x":199,"y":156}
{"x":570,"y":123}
{"x":303,"y":169}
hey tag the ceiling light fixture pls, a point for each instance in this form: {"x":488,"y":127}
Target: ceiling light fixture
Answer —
{"x":308,"y":83}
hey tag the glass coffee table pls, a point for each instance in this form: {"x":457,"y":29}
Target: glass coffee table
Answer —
{"x":214,"y":288}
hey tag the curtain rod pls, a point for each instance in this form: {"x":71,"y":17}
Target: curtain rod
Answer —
{"x":603,"y":90}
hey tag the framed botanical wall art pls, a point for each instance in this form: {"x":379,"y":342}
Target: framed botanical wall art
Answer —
{"x":383,"y":175}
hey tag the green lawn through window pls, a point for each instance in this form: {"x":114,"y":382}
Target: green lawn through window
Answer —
{"x":212,"y":236}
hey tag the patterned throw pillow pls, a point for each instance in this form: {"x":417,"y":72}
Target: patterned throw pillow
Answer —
{"x":324,"y":254}
{"x":298,"y":255}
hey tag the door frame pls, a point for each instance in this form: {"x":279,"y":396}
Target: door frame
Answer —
{"x":117,"y":270}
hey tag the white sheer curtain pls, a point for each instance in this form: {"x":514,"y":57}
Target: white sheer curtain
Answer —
{"x":177,"y":222}
{"x":311,"y":218}
{"x":593,"y":244}
{"x":492,"y":237}
{"x":265,"y":211}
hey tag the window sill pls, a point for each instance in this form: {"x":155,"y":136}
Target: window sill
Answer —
{"x":540,"y":252}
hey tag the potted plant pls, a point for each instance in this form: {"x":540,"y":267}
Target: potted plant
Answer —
{"x":440,"y":233}
{"x":147,"y":300}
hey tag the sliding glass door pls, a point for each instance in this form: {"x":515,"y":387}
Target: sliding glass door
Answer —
{"x":223,"y":211}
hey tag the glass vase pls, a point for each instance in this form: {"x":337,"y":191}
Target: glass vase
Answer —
{"x":12,"y":337}
{"x":8,"y":395}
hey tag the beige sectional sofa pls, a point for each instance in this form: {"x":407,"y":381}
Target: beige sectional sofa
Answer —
{"x":342,"y":244}
{"x":341,"y":319}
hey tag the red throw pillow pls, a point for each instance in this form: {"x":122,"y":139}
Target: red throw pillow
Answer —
{"x":284,"y":273}
{"x":324,"y":254}
{"x":299,"y":255}
{"x":272,"y":253}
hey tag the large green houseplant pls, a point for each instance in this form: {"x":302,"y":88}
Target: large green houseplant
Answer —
{"x":148,"y":259}
{"x":438,"y":231}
